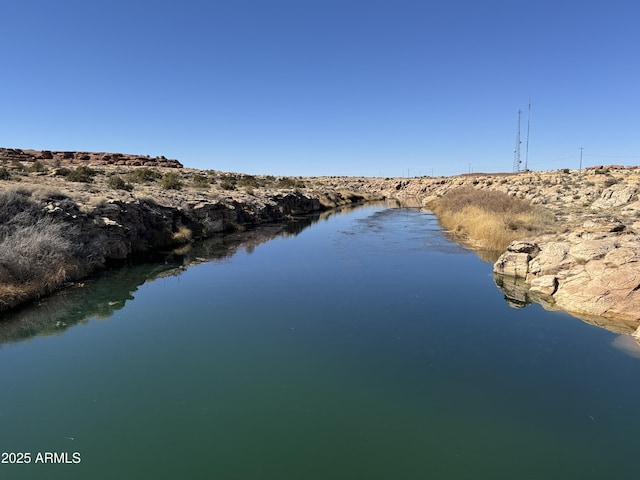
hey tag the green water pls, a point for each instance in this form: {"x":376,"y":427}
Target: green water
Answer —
{"x":366,"y":346}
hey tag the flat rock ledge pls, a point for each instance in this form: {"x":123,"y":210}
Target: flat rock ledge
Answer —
{"x":592,"y":273}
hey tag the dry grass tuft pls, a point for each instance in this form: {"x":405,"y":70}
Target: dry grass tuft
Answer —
{"x":183,"y":235}
{"x":37,"y":253}
{"x":487,"y":219}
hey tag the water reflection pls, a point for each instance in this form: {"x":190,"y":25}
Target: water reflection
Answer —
{"x":102,"y":295}
{"x":99,"y":297}
{"x":517,"y":295}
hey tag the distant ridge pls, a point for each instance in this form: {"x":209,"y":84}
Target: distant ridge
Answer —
{"x":86,"y":158}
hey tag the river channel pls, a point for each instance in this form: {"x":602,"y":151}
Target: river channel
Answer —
{"x":360,"y":345}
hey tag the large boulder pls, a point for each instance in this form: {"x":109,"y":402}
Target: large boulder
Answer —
{"x":615,"y":196}
{"x":515,"y":261}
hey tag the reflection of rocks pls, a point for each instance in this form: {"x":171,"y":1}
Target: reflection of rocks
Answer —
{"x":628,"y":344}
{"x":516,"y":292}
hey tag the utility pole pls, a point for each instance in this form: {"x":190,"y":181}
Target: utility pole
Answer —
{"x":581,"y":148}
{"x":516,"y":151}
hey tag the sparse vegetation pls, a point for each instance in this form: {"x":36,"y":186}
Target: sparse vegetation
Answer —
{"x":289,"y":182}
{"x":143,"y":175}
{"x":4,"y":174}
{"x":171,"y":181}
{"x":201,"y":181}
{"x":228,"y":183}
{"x":37,"y":166}
{"x":117,"y":183}
{"x":82,"y":173}
{"x":488,"y":219}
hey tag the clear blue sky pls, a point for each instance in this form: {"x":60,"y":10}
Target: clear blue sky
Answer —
{"x":325,"y":87}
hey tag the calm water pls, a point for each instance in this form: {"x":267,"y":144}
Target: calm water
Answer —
{"x":366,"y":346}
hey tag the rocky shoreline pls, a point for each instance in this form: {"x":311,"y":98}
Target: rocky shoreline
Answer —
{"x":587,"y":264}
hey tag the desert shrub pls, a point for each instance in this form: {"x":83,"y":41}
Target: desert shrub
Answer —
{"x":200,"y":181}
{"x":565,"y":170}
{"x":610,"y":182}
{"x":17,"y":165}
{"x":81,"y":174}
{"x":488,"y":219}
{"x":289,"y":182}
{"x":37,"y":166}
{"x":4,"y":174}
{"x":143,"y":175}
{"x":117,"y":183}
{"x":248,"y":181}
{"x":62,"y":171}
{"x":171,"y":181}
{"x":228,"y":183}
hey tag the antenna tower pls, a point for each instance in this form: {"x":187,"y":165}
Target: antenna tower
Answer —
{"x":526,"y":154}
{"x":516,"y":151}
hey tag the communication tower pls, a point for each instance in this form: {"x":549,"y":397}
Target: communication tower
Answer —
{"x":526,"y":154}
{"x":516,"y":151}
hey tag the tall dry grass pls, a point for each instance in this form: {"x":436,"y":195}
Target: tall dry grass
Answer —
{"x":488,"y":219}
{"x":37,"y":252}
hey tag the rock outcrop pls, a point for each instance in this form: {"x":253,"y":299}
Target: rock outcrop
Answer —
{"x":115,"y":230}
{"x":591,"y":272}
